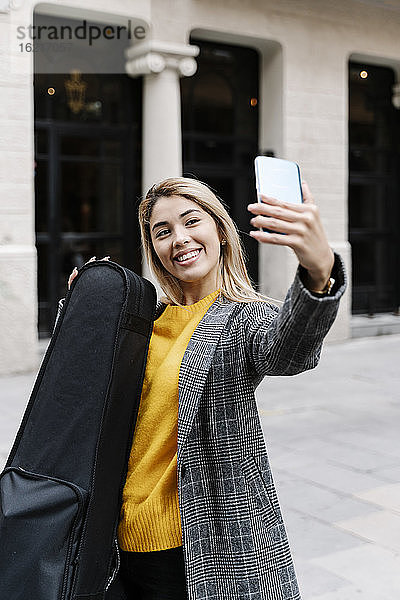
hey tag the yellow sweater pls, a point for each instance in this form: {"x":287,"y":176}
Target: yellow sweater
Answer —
{"x":150,"y":517}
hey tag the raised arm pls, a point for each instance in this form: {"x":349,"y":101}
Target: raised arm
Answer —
{"x":288,"y":341}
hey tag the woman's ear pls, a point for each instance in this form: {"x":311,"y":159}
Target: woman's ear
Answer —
{"x":221,"y":235}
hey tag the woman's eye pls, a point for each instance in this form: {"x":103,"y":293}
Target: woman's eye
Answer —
{"x":187,"y":223}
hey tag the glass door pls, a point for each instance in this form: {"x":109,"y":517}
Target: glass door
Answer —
{"x":87,"y":180}
{"x":374,"y":190}
{"x":220,"y":131}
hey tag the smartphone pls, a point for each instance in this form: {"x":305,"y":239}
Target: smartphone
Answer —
{"x":279,"y":179}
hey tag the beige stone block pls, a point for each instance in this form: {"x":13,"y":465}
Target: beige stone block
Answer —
{"x":315,"y":130}
{"x":17,"y":166}
{"x":325,"y":180}
{"x":17,"y":103}
{"x":15,"y":136}
{"x":387,"y":496}
{"x":372,"y":570}
{"x":325,"y":154}
{"x":16,"y":197}
{"x":331,"y":106}
{"x":380,"y":527}
{"x":325,"y":105}
{"x":18,"y":314}
{"x":350,"y":592}
{"x":299,"y":103}
{"x":16,"y":229}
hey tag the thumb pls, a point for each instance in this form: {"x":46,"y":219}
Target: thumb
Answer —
{"x":307,"y":196}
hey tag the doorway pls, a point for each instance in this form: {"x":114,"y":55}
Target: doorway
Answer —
{"x":220,"y":131}
{"x":87,"y":179}
{"x":374,"y":189}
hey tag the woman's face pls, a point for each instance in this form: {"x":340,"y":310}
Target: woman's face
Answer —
{"x":178,"y":226}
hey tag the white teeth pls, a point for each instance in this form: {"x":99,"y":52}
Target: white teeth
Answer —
{"x":186,"y":256}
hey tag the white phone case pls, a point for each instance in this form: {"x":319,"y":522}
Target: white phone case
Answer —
{"x":278,"y":178}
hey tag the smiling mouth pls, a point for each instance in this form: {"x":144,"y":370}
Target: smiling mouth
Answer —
{"x":189,"y":260}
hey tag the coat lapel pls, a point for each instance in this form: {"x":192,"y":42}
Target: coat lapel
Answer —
{"x":196,"y":363}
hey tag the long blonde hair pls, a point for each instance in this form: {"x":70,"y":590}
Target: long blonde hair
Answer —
{"x":232,"y":275}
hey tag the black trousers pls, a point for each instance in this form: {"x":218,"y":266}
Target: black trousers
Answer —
{"x":158,"y":575}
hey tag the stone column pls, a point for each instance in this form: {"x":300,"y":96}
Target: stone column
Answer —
{"x":18,"y":260}
{"x":162,"y":64}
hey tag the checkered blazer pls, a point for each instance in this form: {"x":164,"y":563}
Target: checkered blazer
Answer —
{"x":235,"y":542}
{"x":234,"y":538}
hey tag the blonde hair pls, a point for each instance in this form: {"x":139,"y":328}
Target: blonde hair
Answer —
{"x":232,"y":276}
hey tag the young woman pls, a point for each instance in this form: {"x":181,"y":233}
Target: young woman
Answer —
{"x":200,"y":517}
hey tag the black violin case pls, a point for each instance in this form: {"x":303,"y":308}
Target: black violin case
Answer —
{"x":61,"y":488}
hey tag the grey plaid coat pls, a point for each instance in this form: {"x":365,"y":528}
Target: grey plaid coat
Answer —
{"x":234,"y":539}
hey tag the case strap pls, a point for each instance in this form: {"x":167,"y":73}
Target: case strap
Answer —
{"x":136,"y":324}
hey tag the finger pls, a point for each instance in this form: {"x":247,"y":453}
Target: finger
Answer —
{"x":307,"y":196}
{"x":106,"y":258}
{"x":273,"y":211}
{"x":72,"y":276}
{"x":276,"y":224}
{"x":271,"y":238}
{"x":287,"y":205}
{"x":268,"y":199}
{"x":74,"y":273}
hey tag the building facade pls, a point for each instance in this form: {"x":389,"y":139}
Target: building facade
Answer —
{"x":96,"y":106}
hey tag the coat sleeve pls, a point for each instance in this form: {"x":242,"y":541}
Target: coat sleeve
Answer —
{"x":288,"y":340}
{"x":59,"y":310}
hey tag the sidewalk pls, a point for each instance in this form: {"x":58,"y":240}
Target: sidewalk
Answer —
{"x":334,"y":444}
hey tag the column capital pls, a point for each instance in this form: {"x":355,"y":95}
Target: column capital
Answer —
{"x":153,"y":56}
{"x":7,"y":5}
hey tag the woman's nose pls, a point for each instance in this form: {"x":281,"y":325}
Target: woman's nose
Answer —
{"x":180,"y":236}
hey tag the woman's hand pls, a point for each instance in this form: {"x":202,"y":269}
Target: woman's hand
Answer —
{"x":305,"y":233}
{"x":75,"y":270}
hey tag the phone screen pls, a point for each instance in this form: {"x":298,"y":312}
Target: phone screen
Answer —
{"x":279,"y":179}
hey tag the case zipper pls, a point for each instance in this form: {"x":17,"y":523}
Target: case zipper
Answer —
{"x":116,"y":568}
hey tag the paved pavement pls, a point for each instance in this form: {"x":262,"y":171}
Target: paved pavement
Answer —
{"x":334,"y":445}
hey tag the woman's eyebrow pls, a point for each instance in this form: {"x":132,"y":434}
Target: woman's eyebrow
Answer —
{"x":190,"y":210}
